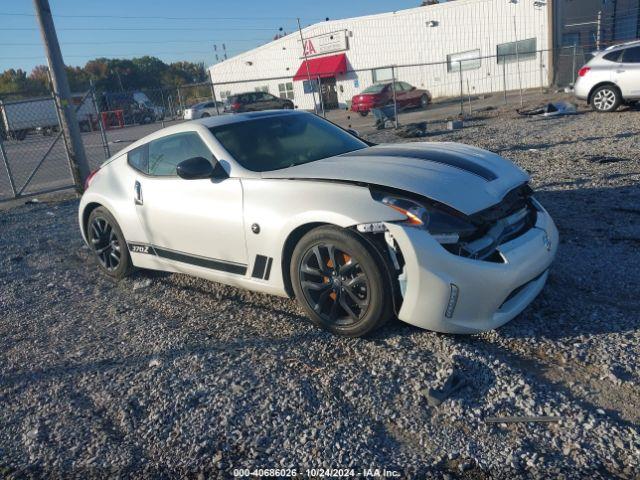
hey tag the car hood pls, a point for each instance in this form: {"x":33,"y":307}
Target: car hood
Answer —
{"x":466,"y":178}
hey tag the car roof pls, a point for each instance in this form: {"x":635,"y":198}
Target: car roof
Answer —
{"x":226,"y":119}
{"x":621,"y":45}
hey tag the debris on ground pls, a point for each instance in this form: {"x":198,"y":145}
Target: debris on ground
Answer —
{"x":543,"y":419}
{"x":553,"y":109}
{"x":155,"y":363}
{"x":413,"y":130}
{"x":606,"y":159}
{"x":435,"y":396}
{"x":140,"y":284}
{"x":455,"y":124}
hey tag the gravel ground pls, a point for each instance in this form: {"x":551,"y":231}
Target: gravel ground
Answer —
{"x":162,"y":374}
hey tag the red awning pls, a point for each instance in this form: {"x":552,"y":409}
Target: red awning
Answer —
{"x":322,"y":67}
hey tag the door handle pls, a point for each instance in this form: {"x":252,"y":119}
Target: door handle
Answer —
{"x":137,"y":189}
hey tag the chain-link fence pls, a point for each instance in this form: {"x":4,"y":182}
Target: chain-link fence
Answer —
{"x":400,"y":88}
{"x":32,"y":147}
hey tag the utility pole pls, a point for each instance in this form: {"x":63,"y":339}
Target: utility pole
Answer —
{"x":77,"y":158}
{"x":306,"y":62}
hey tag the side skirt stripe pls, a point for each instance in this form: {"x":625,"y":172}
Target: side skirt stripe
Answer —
{"x":211,"y":263}
{"x":202,"y":262}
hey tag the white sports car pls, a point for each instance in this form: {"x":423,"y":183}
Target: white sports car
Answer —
{"x":444,"y":236}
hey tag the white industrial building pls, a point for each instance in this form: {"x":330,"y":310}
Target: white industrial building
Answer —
{"x":495,"y":42}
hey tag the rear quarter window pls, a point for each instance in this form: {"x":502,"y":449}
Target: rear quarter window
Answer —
{"x":613,"y":56}
{"x":138,"y":158}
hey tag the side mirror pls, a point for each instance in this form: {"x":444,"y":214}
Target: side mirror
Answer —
{"x":353,"y":132}
{"x":195,"y":169}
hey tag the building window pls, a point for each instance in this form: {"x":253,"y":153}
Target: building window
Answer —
{"x":466,"y":60}
{"x":224,"y":94}
{"x":382,"y":74}
{"x":512,"y":51}
{"x":309,"y":86}
{"x":263,"y":88}
{"x":285,"y":90}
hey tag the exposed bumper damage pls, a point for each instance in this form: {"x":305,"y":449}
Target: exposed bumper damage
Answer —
{"x":484,"y":283}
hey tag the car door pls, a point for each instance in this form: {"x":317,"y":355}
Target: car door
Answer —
{"x":412,"y":94}
{"x":627,"y":73}
{"x":268,"y":101}
{"x":191,"y":224}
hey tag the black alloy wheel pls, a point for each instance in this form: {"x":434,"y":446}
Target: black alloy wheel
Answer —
{"x":108,"y":244}
{"x":105,"y":244}
{"x":341,"y":281}
{"x":334,"y":284}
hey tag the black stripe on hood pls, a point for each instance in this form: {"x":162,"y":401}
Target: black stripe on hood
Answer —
{"x":437,"y":156}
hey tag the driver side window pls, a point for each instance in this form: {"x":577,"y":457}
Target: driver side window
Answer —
{"x":166,"y":153}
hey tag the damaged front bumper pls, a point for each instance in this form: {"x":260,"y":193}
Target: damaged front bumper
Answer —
{"x":453,"y":294}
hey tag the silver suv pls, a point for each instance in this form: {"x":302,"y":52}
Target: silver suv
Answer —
{"x":611,"y":77}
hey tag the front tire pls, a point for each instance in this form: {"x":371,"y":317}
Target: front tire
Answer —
{"x":108,"y":244}
{"x":205,"y":115}
{"x":364,"y":113}
{"x":424,"y":101}
{"x":606,"y":99}
{"x":340,"y":283}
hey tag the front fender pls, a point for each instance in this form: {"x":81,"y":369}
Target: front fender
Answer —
{"x":280,"y":207}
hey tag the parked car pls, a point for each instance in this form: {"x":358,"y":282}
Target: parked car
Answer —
{"x":254,"y":101}
{"x":381,"y":94}
{"x":611,"y":78}
{"x":203,"y":110}
{"x":157,"y":110}
{"x":444,"y":236}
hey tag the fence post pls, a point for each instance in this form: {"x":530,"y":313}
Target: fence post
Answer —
{"x":180,"y":101}
{"x":320,"y":95}
{"x":541,"y":73}
{"x":515,"y":31}
{"x":504,"y":79}
{"x":103,"y":135}
{"x":213,"y":95}
{"x":164,"y":106}
{"x":5,"y":162}
{"x":395,"y":103}
{"x":573,"y":70}
{"x":461,"y":88}
{"x":469,"y":96}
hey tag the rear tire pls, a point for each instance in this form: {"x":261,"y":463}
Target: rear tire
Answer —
{"x":606,"y":98}
{"x":365,"y":113}
{"x":340,"y":283}
{"x":424,"y":101}
{"x":205,"y":115}
{"x":108,"y":244}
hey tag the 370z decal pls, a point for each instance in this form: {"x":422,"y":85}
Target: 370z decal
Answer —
{"x":212,"y":263}
{"x":141,"y":248}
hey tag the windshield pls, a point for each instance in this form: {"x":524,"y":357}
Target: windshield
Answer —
{"x":377,"y":88}
{"x":281,"y":141}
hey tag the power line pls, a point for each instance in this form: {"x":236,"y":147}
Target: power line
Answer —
{"x":126,"y":42}
{"x":109,"y":29}
{"x":101,"y":55}
{"x":144,"y":17}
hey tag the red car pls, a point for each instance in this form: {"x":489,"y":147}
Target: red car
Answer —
{"x":381,"y":94}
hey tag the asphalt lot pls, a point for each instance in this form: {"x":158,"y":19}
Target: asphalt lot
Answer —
{"x":167,"y":375}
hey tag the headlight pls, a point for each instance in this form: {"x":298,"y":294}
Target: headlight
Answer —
{"x":445,"y":227}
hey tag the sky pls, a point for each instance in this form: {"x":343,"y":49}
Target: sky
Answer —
{"x":171,"y":30}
